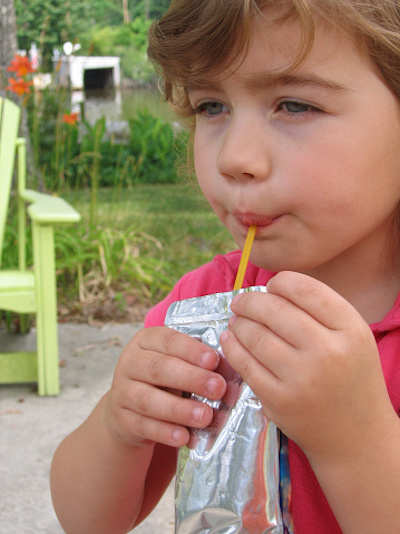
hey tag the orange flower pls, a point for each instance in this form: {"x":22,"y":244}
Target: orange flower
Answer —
{"x":21,"y":65}
{"x":70,"y":118}
{"x":18,"y":86}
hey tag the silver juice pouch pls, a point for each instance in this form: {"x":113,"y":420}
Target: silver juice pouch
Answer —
{"x":232,"y":477}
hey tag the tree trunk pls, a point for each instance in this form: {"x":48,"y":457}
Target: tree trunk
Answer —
{"x":8,"y":39}
{"x":8,"y":49}
{"x":125,"y":8}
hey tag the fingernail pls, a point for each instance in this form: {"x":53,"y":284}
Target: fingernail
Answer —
{"x":223,"y":337}
{"x":177,"y":435}
{"x":198,"y":413}
{"x":207,"y":358}
{"x":232,"y":320}
{"x":235,"y":299}
{"x":212,"y":384}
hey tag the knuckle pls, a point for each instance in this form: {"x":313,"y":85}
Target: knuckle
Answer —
{"x":175,"y":409}
{"x":289,"y":282}
{"x":170,"y":340}
{"x":279,"y":280}
{"x":280,"y":305}
{"x":142,"y":402}
{"x":243,"y":368}
{"x":257,"y":340}
{"x":138,"y":339}
{"x":159,"y":434}
{"x":156,"y":369}
{"x":140,"y":426}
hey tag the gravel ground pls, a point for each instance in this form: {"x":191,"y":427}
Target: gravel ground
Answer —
{"x":32,"y":427}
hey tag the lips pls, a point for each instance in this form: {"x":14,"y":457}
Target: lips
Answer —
{"x":252,"y":219}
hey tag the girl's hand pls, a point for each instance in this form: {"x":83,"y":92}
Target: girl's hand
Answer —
{"x":312,"y":361}
{"x":145,"y":402}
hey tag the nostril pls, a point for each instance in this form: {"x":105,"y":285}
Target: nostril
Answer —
{"x":239,"y":176}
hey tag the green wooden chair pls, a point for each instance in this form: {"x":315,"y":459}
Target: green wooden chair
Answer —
{"x":30,"y":290}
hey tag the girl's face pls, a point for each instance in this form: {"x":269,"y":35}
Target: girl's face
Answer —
{"x":311,"y":158}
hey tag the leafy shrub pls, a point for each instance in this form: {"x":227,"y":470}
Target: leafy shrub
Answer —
{"x":90,"y":157}
{"x":151,"y":143}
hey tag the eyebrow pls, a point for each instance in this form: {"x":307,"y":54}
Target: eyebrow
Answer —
{"x":265,"y":80}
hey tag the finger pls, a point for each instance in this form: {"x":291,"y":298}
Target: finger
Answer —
{"x":171,"y":372}
{"x":270,"y":349}
{"x":148,"y":429}
{"x":279,"y":316}
{"x":314,"y":297}
{"x":254,"y":373}
{"x":177,"y":344}
{"x":162,"y":405}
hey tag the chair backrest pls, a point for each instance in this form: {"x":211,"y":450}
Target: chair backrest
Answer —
{"x":9,"y":122}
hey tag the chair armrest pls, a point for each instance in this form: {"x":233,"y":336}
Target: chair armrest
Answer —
{"x":48,"y":209}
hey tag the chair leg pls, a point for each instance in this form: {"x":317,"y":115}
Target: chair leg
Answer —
{"x":24,"y":323}
{"x":46,"y":318}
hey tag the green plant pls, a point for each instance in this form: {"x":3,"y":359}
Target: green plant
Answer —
{"x":153,"y":140}
{"x":145,"y":238}
{"x":91,"y":144}
{"x":89,"y":157}
{"x":50,"y":23}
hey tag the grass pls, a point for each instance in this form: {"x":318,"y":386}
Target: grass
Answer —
{"x":145,"y":238}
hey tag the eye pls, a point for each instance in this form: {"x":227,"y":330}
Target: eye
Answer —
{"x":296,"y":107}
{"x":210,"y":109}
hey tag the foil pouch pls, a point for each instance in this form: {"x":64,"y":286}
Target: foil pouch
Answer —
{"x":233,"y":476}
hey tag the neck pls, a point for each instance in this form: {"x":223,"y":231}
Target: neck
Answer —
{"x":370,"y":286}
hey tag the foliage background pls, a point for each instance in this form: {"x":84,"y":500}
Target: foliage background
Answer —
{"x":98,"y":25}
{"x":142,"y":228}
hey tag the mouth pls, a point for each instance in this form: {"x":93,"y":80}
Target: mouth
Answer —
{"x":251,"y":219}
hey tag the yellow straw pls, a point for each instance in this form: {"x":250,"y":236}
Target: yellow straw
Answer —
{"x":244,"y":260}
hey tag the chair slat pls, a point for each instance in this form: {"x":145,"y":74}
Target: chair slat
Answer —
{"x":10,"y":116}
{"x":33,"y":290}
{"x":16,"y":280}
{"x":18,"y":367}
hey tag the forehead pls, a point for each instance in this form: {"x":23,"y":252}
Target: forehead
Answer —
{"x":276,"y":51}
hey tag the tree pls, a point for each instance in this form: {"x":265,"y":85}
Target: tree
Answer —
{"x":8,"y":49}
{"x":8,"y":39}
{"x":125,"y":8}
{"x":150,"y":9}
{"x":50,"y":23}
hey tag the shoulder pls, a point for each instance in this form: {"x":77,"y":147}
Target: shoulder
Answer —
{"x":213,"y":277}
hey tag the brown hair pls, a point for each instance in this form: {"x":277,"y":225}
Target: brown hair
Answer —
{"x":198,"y":37}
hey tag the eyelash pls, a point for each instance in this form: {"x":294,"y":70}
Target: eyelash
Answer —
{"x":307,"y":108}
{"x":282,"y":107}
{"x":201,"y":109}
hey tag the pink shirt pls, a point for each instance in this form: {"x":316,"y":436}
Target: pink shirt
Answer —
{"x":311,"y":512}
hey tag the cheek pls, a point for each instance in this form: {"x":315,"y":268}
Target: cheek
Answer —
{"x":208,"y":178}
{"x":201,"y":159}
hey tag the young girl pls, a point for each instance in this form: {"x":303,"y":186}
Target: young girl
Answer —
{"x":296,"y":115}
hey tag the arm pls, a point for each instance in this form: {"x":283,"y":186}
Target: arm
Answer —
{"x":96,"y":479}
{"x":313,"y":362}
{"x":110,"y":473}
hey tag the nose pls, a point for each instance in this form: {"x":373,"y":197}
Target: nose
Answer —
{"x":246,"y":150}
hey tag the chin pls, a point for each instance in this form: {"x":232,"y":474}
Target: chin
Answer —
{"x":276,"y":265}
